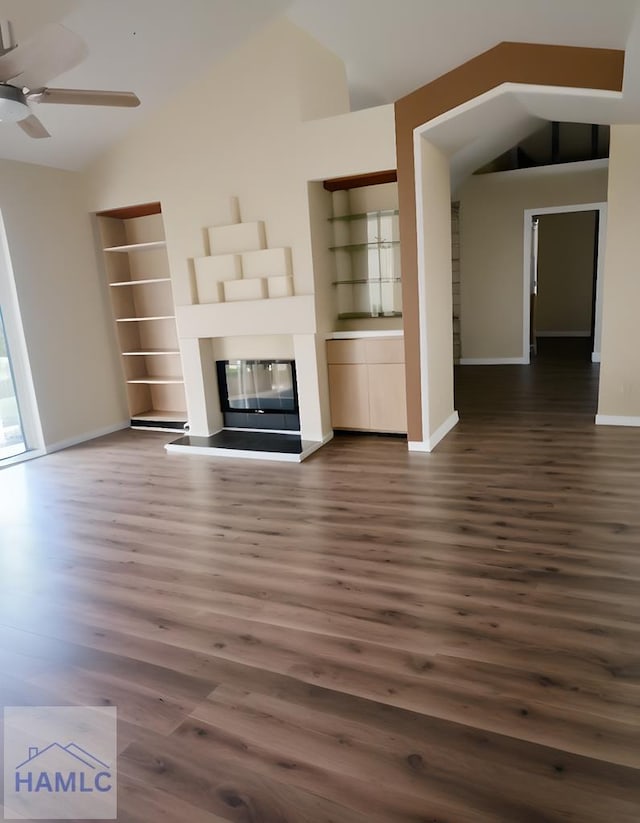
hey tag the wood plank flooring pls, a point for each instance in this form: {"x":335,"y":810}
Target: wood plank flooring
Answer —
{"x":371,"y":635}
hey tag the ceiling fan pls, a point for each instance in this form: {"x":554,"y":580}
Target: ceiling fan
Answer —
{"x":27,"y":67}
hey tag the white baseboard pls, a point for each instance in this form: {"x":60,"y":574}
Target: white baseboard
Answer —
{"x":579,"y":333}
{"x":430,"y":443}
{"x":595,"y":356}
{"x":31,"y":454}
{"x":494,"y":361}
{"x":83,"y":438}
{"x":615,"y":420}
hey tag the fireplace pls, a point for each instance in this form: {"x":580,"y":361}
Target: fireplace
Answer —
{"x":259,"y":394}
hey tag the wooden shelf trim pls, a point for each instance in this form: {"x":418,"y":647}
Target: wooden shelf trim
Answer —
{"x":127,"y":212}
{"x":357,"y":181}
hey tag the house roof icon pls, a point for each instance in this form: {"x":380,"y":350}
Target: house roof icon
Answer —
{"x":76,"y":754}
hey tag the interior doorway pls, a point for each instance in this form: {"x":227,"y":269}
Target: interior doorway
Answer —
{"x":557,"y":378}
{"x":564,"y":255}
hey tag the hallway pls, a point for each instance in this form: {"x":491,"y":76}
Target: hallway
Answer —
{"x":561,"y":380}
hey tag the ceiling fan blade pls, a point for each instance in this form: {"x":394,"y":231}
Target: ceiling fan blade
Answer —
{"x":52,"y":51}
{"x":33,"y":127}
{"x":84,"y":97}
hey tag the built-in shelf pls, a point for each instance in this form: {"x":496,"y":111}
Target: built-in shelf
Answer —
{"x":364,"y":215}
{"x":376,"y":244}
{"x":355,"y":315}
{"x":357,"y":335}
{"x":156,"y":381}
{"x":368,"y":281}
{"x":160,"y":415}
{"x":139,"y":319}
{"x":366,"y":251}
{"x":141,"y":282}
{"x":154,"y":244}
{"x":149,"y":352}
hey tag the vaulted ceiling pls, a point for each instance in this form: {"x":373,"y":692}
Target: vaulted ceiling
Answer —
{"x":154,"y":47}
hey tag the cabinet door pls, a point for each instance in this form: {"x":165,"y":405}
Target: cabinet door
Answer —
{"x":384,"y":350}
{"x":387,"y":398}
{"x":346,"y":351}
{"x":349,"y":393}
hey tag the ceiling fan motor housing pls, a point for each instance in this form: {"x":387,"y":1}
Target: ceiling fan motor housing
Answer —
{"x":13,"y":104}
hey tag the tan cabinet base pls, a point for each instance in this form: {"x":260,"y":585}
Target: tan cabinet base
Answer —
{"x":367,"y":384}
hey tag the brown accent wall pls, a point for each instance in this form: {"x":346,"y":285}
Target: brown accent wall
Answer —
{"x":529,"y":63}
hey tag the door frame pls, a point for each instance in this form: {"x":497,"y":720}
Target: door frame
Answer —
{"x":529,"y":214}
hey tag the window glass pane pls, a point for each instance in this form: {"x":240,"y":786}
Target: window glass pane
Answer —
{"x":11,"y":437}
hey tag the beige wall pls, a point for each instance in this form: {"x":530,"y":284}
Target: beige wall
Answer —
{"x":352,"y":143}
{"x":233,"y":133}
{"x":243,"y":131}
{"x":270,"y":347}
{"x":491,"y":247}
{"x":69,"y":339}
{"x":620,"y":370}
{"x":566,"y":244}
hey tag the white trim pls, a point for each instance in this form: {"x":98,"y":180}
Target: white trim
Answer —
{"x":418,"y":446}
{"x":83,"y":438}
{"x":430,"y":443}
{"x":595,"y":356}
{"x":516,"y":89}
{"x":422,"y":298}
{"x":31,"y":454}
{"x":572,"y":208}
{"x":494,"y":361}
{"x":579,"y":333}
{"x":529,"y":214}
{"x":615,"y":420}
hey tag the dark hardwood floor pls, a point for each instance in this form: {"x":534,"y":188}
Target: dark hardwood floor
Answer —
{"x":370,"y":636}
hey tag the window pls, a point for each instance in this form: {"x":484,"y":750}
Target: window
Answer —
{"x":11,"y":435}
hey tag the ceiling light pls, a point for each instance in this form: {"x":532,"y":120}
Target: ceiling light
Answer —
{"x":13,"y":105}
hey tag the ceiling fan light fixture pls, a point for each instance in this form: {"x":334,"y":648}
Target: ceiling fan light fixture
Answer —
{"x":13,"y":105}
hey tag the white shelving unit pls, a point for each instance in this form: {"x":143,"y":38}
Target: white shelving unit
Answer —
{"x":144,"y":314}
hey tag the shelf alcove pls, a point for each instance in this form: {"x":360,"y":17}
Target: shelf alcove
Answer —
{"x":137,"y":269}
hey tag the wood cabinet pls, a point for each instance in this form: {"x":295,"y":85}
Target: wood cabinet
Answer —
{"x":367,"y":384}
{"x":143,"y":310}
